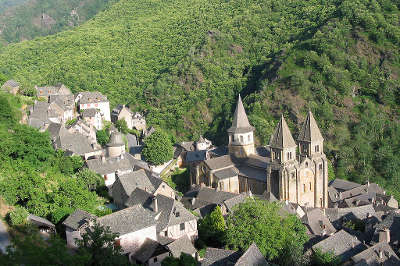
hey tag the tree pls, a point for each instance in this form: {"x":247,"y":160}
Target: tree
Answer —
{"x":122,"y":126}
{"x":212,"y":228}
{"x":259,"y":221}
{"x":183,"y":260}
{"x":103,"y":137}
{"x":90,"y":178}
{"x":157,"y":148}
{"x":31,"y":249}
{"x":18,"y":216}
{"x":320,"y":258}
{"x":99,"y":243}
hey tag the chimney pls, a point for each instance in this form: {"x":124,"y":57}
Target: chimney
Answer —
{"x":155,"y":204}
{"x":384,"y":235}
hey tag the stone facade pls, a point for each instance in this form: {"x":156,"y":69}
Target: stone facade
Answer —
{"x":299,"y":178}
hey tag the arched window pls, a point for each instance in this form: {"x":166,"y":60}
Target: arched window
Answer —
{"x":249,"y":137}
{"x":241,"y":138}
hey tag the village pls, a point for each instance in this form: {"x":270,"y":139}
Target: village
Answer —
{"x":358,"y":223}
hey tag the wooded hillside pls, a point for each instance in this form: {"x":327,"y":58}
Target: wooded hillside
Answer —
{"x":185,"y":62}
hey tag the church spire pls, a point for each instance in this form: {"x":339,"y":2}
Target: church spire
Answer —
{"x":282,"y":138}
{"x":310,"y":131}
{"x":240,"y":123}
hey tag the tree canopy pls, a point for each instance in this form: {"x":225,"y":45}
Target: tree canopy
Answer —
{"x":157,"y":148}
{"x":260,"y":221}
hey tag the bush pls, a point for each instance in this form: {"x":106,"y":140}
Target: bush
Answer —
{"x":18,"y":216}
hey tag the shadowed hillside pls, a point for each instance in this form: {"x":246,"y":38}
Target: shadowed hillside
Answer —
{"x":185,"y":62}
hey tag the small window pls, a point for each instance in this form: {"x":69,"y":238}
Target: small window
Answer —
{"x":320,"y":166}
{"x":306,"y":164}
{"x":249,"y":138}
{"x":155,"y":259}
{"x":241,"y":138}
{"x":292,"y":175}
{"x":317,"y":148}
{"x":310,"y":186}
{"x":304,"y":187}
{"x":166,"y":233}
{"x":182,"y":226}
{"x":320,"y":202}
{"x":288,"y":155}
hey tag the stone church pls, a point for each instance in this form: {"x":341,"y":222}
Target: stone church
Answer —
{"x":296,"y":172}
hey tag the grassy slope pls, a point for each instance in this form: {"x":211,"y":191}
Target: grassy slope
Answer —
{"x":186,"y":61}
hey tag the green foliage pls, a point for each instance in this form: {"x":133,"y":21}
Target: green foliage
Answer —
{"x":184,"y":260}
{"x":31,"y":249}
{"x":185,"y":62}
{"x":98,"y":243}
{"x":320,"y":258}
{"x":212,"y":228}
{"x":70,"y":122}
{"x":259,"y":221}
{"x":122,"y":126}
{"x":179,"y":180}
{"x":157,"y":148}
{"x":92,"y":180}
{"x":355,"y":224}
{"x":18,"y":216}
{"x":34,"y":176}
{"x":103,"y":137}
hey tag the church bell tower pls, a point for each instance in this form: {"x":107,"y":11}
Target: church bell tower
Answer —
{"x":241,"y":137}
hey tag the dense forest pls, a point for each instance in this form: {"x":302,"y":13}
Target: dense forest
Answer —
{"x":26,"y":19}
{"x":185,"y":62}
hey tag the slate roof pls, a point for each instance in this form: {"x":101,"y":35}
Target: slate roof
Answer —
{"x":196,"y":156}
{"x":252,"y":172}
{"x":360,"y":212}
{"x":282,"y":138}
{"x":240,"y":123}
{"x":181,"y":245}
{"x":257,"y":161}
{"x":138,"y":196}
{"x":91,"y":112}
{"x":213,"y":196}
{"x":39,"y":221}
{"x":54,"y":130}
{"x":310,"y":131}
{"x":39,"y":114}
{"x":343,"y":185}
{"x":128,"y":220}
{"x":127,"y":183}
{"x":77,"y":219}
{"x":92,"y":97}
{"x":219,"y":162}
{"x":252,"y":257}
{"x":74,"y":142}
{"x":371,"y":257}
{"x":226,"y":173}
{"x":341,"y":244}
{"x":317,"y":222}
{"x":109,"y":166}
{"x":171,"y":211}
{"x":11,"y":83}
{"x":65,"y":102}
{"x":391,"y":222}
{"x":149,"y":249}
{"x":220,"y":257}
{"x":232,"y":202}
{"x":137,"y":164}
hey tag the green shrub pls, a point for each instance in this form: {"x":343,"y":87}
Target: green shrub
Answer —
{"x":18,"y":216}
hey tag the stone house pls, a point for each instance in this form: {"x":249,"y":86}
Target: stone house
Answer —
{"x":94,"y":100}
{"x":93,"y":117}
{"x":151,"y":253}
{"x":47,"y":91}
{"x":81,"y":127}
{"x":379,"y":254}
{"x":173,"y":220}
{"x":11,"y":86}
{"x":63,"y":106}
{"x":125,"y":184}
{"x":134,"y":225}
{"x":138,"y":121}
{"x":133,"y":120}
